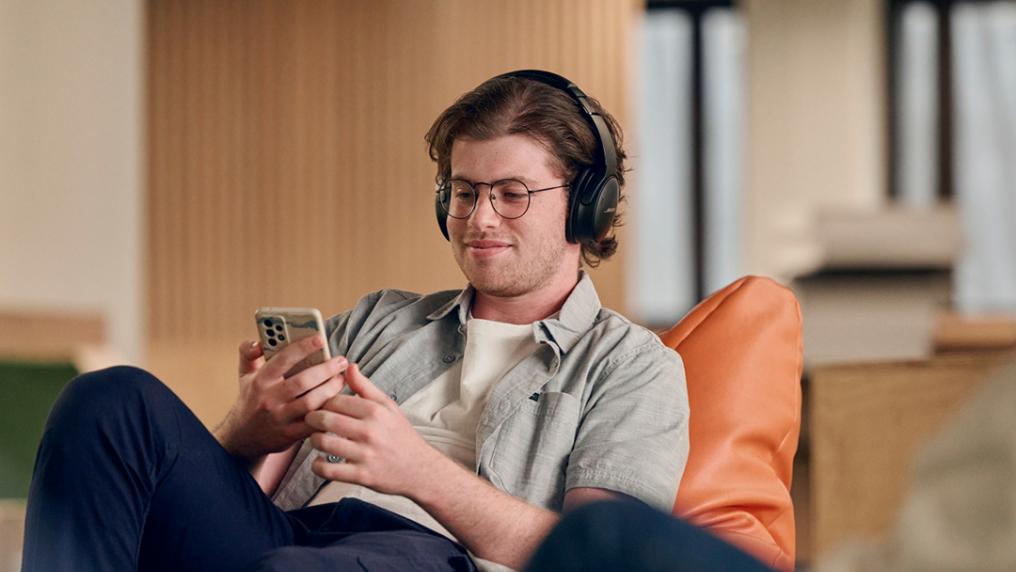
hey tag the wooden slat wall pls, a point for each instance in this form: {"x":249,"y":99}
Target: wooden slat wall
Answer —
{"x":286,"y":163}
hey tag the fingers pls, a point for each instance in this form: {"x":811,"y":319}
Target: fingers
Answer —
{"x":342,"y":472}
{"x":350,"y":405}
{"x":251,"y":357}
{"x":336,"y":445}
{"x":290,"y":399}
{"x":363,"y":386}
{"x":312,"y":377}
{"x":293,"y":354}
{"x":314,"y":399}
{"x":342,"y":425}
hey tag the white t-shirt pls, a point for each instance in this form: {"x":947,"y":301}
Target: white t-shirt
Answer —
{"x":447,"y":411}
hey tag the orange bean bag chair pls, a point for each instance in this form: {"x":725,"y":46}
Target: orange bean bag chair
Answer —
{"x":743,"y":358}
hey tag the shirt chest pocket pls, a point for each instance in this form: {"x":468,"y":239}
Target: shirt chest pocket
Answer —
{"x":532,"y":447}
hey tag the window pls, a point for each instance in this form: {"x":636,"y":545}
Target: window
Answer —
{"x":952,"y":94}
{"x":685,"y":214}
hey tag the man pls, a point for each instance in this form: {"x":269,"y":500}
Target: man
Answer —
{"x":470,"y":419}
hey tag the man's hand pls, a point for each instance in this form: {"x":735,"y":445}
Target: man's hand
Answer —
{"x":382,"y":451}
{"x":385,"y":453}
{"x":268,"y":415}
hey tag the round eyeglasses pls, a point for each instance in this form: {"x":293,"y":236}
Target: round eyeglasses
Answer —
{"x":509,"y":197}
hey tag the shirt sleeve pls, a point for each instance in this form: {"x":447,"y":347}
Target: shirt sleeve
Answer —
{"x":633,"y":434}
{"x":342,"y":330}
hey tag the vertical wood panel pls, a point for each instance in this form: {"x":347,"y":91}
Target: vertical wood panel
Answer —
{"x":286,"y":162}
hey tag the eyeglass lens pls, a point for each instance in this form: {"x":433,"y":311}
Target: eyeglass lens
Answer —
{"x":510,"y":198}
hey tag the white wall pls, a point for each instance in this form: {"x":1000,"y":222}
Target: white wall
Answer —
{"x":70,"y":160}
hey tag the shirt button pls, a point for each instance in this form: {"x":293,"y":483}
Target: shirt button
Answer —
{"x":449,"y":358}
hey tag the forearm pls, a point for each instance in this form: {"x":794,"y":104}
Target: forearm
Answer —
{"x":491,"y":523}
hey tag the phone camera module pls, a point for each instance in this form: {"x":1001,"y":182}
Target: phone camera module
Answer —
{"x":267,"y":322}
{"x":278,"y":327}
{"x":282,"y":338}
{"x":273,"y":343}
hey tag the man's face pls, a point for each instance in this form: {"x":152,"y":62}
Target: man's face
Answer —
{"x":511,"y":257}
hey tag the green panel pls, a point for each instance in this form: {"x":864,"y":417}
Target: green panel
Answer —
{"x":27,"y":392}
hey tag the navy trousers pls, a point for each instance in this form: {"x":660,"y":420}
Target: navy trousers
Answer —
{"x":627,"y":535}
{"x":127,"y":478}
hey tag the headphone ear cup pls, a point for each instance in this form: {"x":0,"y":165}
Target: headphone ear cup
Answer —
{"x":604,"y":208}
{"x":576,"y":226}
{"x":442,"y":216}
{"x":593,"y":206}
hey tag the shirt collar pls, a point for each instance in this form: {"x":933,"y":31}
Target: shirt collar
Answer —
{"x":564,"y":329}
{"x":576,"y":315}
{"x":462,"y":302}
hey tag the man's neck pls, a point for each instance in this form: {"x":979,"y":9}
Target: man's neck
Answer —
{"x":527,"y":308}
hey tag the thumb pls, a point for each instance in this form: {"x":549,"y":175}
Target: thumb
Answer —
{"x":362,"y":386}
{"x":251,"y":357}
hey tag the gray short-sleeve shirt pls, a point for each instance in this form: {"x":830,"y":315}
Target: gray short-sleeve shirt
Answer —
{"x":601,"y":402}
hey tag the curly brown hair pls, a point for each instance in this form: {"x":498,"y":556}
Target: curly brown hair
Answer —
{"x":513,"y":105}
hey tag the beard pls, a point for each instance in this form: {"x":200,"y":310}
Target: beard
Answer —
{"x":519,"y":270}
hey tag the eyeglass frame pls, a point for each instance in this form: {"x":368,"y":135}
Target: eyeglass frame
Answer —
{"x":446,"y":186}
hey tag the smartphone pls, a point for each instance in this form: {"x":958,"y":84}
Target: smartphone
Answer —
{"x":279,"y":327}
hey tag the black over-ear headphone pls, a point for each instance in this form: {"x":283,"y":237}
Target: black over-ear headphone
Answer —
{"x":594,"y":192}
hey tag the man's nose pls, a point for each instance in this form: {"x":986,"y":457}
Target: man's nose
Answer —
{"x":484,"y":215}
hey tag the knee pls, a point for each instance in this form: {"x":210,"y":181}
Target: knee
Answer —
{"x":110,"y":384}
{"x":598,"y":528}
{"x":608,"y":510}
{"x":597,"y":517}
{"x":597,"y":523}
{"x":104,"y":394}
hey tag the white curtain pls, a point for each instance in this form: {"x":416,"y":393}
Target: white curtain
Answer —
{"x":661,"y":277}
{"x":984,"y":40}
{"x":917,"y":108}
{"x":723,"y":35}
